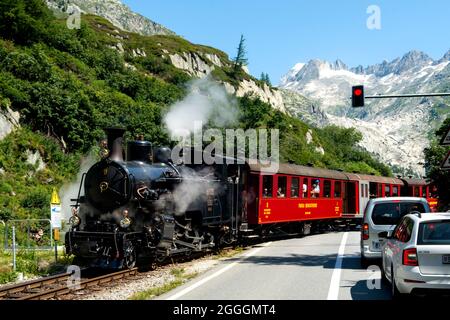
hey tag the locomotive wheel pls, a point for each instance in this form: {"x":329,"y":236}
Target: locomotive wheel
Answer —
{"x":130,"y":256}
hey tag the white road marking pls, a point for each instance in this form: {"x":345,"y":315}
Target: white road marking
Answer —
{"x":218,"y":273}
{"x":333,"y":292}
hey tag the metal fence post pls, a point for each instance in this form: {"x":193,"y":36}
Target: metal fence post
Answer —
{"x":5,"y":234}
{"x":14,"y":247}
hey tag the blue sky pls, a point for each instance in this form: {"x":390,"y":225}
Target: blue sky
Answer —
{"x":280,"y":33}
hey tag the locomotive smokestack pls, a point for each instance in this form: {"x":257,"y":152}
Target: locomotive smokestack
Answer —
{"x":115,"y":143}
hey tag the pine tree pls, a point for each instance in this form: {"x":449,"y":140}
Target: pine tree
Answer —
{"x":267,"y":80}
{"x":241,"y":57}
{"x":263,"y":76}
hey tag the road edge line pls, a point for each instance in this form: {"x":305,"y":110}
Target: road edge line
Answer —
{"x":217,"y":273}
{"x":333,"y":292}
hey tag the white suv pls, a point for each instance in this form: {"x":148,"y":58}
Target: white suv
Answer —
{"x":383,"y":214}
{"x":416,"y":257}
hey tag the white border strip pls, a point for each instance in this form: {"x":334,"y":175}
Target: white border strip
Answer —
{"x":216,"y":274}
{"x":333,"y":292}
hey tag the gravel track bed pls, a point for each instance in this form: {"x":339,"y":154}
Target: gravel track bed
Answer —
{"x":127,"y":288}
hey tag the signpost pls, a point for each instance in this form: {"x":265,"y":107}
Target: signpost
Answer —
{"x":55,"y":211}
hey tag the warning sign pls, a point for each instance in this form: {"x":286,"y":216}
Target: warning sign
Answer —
{"x":446,"y":164}
{"x":446,"y":139}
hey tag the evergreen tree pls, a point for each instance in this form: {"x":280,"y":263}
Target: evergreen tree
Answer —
{"x":263,"y":76}
{"x":267,"y":80}
{"x":241,"y":57}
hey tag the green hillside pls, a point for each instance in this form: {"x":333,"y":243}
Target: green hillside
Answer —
{"x":69,"y":84}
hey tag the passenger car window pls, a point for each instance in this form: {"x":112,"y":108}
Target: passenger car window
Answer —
{"x":327,"y":188}
{"x":387,"y":190}
{"x":395,"y":191}
{"x":295,"y":187}
{"x":434,"y":233}
{"x":416,"y":192}
{"x":282,"y":187}
{"x":373,"y":190}
{"x":267,"y":186}
{"x":305,"y":188}
{"x":337,"y":189}
{"x":400,"y":230}
{"x":390,"y":213}
{"x":424,"y":192}
{"x":315,"y":188}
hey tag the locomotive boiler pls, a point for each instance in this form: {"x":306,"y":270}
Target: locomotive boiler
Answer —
{"x":139,"y":206}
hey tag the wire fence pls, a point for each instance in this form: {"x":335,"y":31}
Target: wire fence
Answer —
{"x":31,"y":234}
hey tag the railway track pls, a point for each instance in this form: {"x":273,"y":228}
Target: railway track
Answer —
{"x":57,"y":287}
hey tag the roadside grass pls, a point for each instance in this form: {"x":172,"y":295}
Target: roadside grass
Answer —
{"x":180,"y":278}
{"x":227,"y":253}
{"x":31,"y":264}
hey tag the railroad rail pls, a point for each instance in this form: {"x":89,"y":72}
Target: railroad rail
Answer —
{"x":55,"y":287}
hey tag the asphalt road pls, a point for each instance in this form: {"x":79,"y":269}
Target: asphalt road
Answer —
{"x":317,"y":267}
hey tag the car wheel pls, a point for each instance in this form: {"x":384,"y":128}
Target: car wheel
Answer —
{"x":394,"y":290}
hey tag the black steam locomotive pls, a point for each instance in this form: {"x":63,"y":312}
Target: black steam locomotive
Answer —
{"x":144,"y":208}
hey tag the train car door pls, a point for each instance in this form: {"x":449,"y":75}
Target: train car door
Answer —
{"x":350,"y":197}
{"x":364,"y":195}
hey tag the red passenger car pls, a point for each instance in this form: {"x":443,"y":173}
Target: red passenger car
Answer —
{"x":306,"y":196}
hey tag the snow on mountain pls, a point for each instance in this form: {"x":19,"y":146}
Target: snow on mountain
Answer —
{"x":396,"y":130}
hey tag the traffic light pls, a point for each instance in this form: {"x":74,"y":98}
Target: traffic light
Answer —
{"x":357,"y":96}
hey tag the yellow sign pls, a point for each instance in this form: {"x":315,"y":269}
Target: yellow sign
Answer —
{"x":56,"y":236}
{"x":308,"y":205}
{"x":55,"y":197}
{"x":267,"y":210}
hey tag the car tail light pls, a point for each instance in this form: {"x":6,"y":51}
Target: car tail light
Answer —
{"x":365,"y":232}
{"x":410,"y":257}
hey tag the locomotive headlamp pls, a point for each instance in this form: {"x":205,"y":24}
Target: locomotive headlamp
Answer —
{"x":125,"y":222}
{"x":75,"y":220}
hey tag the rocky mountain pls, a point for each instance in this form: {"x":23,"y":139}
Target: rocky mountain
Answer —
{"x":396,"y":130}
{"x":115,"y":11}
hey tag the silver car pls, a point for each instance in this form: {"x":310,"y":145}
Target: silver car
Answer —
{"x":416,"y":256}
{"x":383,"y":214}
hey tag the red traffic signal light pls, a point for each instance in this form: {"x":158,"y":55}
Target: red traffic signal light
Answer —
{"x":357,"y":96}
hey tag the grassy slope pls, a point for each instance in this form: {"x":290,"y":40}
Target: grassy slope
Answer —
{"x":72,"y":85}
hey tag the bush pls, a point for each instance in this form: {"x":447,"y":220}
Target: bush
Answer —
{"x":25,"y":66}
{"x":24,"y":21}
{"x":36,"y":199}
{"x":7,"y":277}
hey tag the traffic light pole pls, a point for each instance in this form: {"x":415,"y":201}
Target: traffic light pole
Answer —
{"x":408,"y":95}
{"x":358,"y":96}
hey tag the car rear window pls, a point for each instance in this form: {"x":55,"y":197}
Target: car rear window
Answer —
{"x":434,"y":233}
{"x":390,"y":213}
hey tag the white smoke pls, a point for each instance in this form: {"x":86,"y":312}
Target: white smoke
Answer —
{"x":70,"y":190}
{"x":207,"y":103}
{"x":194,"y":186}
